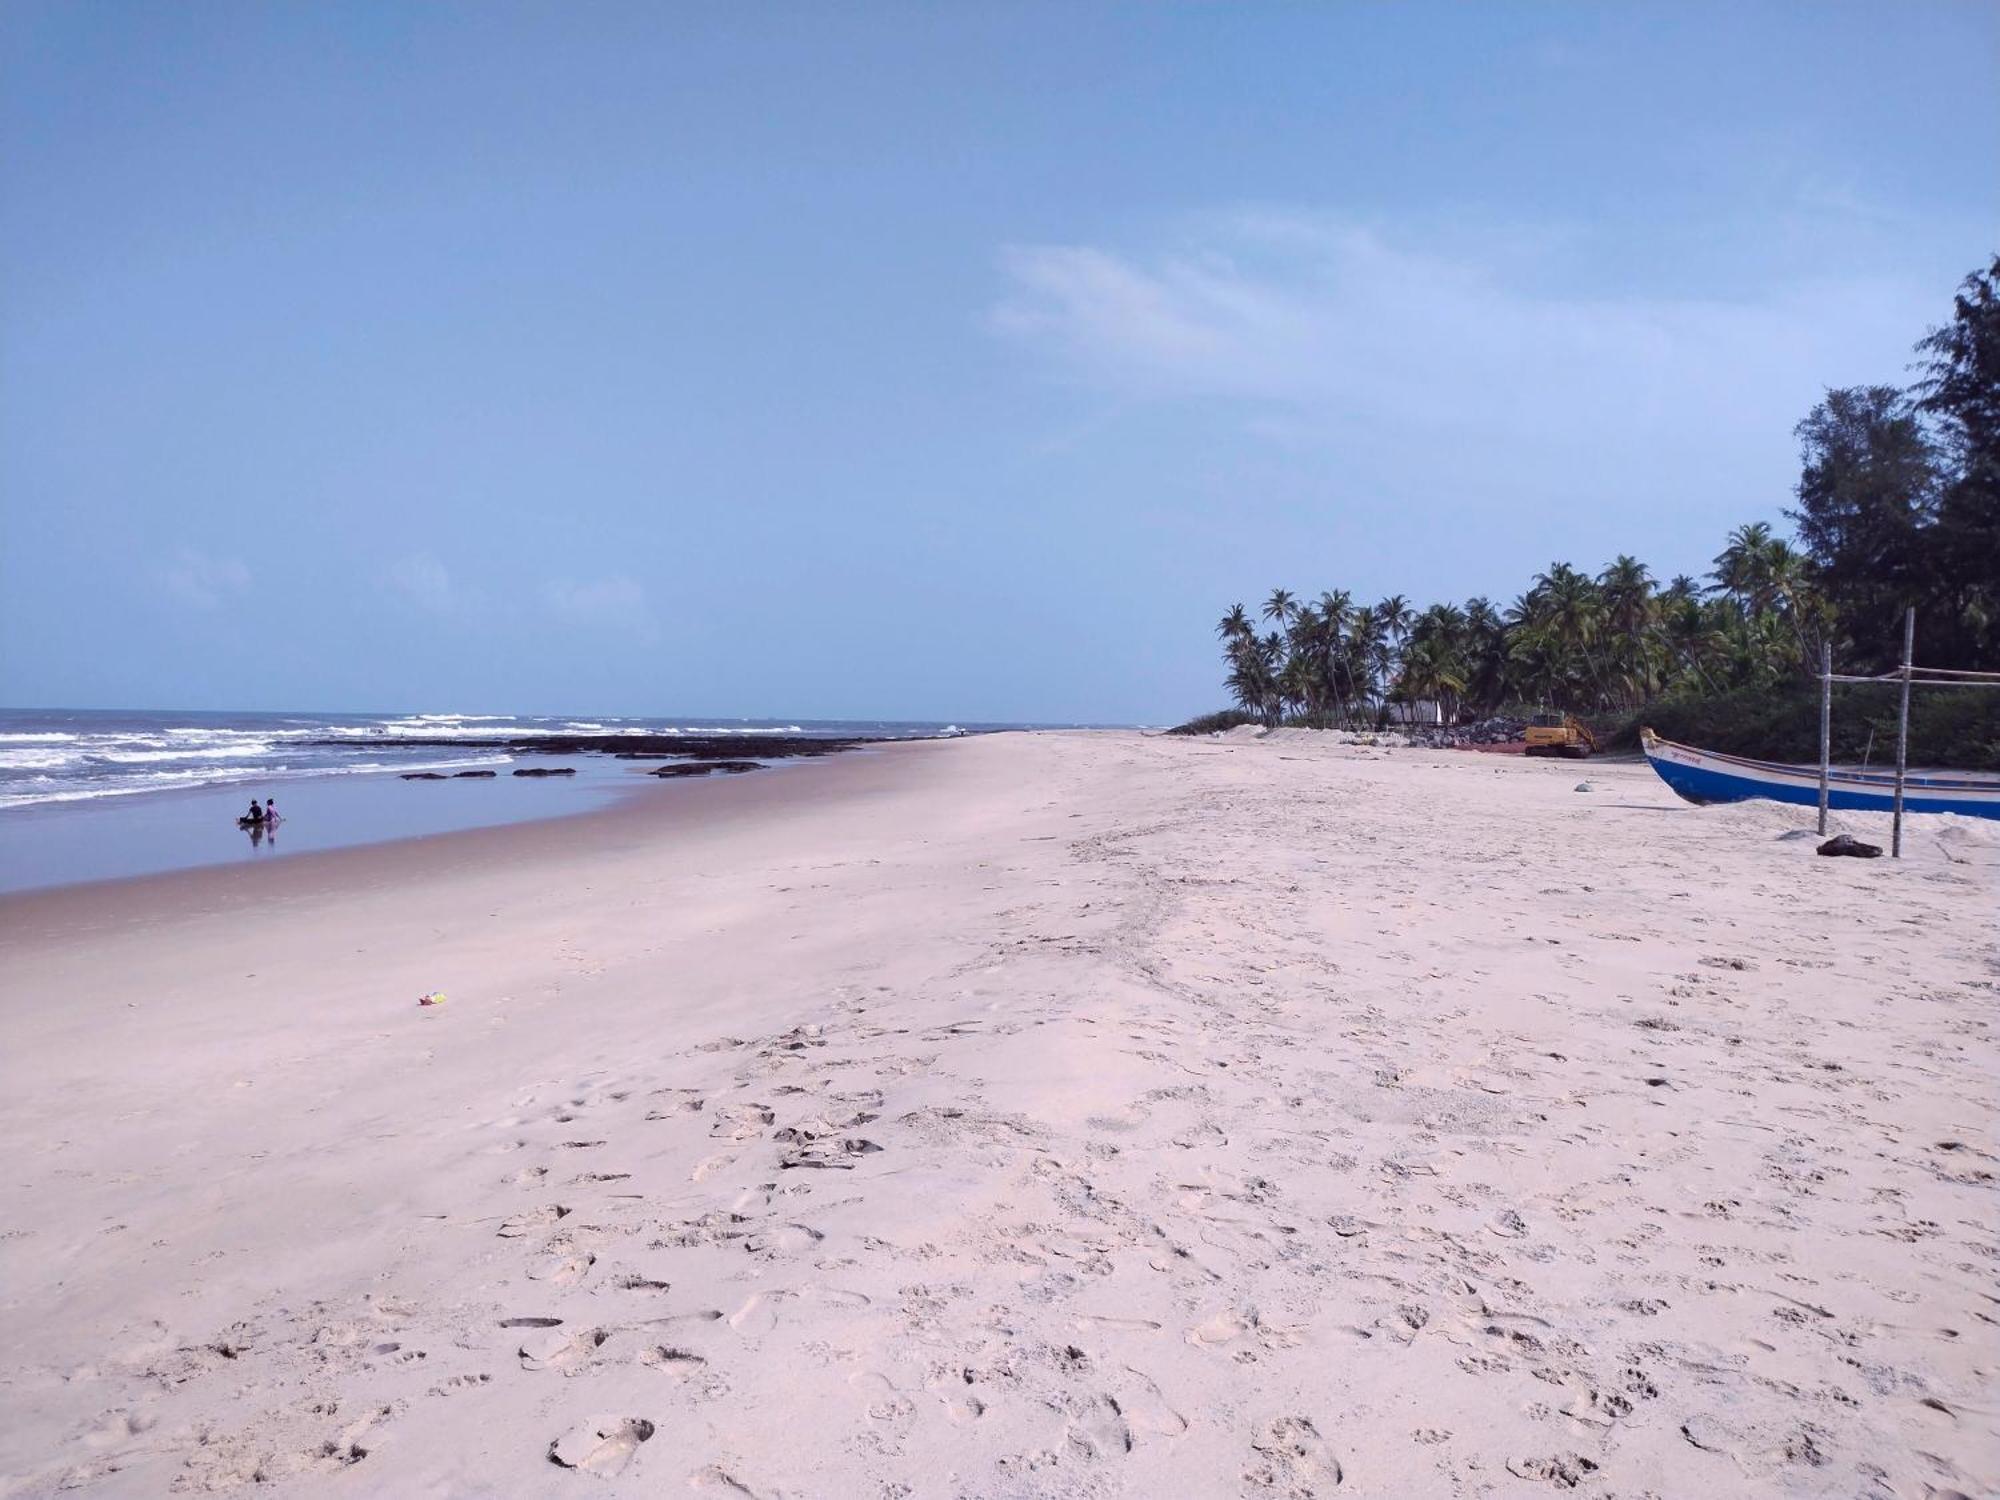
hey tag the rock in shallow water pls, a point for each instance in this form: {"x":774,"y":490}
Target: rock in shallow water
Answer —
{"x":704,"y":767}
{"x":546,"y":771}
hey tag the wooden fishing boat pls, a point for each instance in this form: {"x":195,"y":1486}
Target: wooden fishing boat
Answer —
{"x":1705,"y":776}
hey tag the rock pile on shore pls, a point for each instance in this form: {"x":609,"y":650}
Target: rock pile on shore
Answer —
{"x":1500,"y":731}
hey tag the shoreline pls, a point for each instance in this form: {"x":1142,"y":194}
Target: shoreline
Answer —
{"x":175,"y":830}
{"x":90,"y":795}
{"x":635,"y":809}
{"x":1049,"y":1115}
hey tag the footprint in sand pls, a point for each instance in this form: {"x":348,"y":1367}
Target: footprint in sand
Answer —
{"x":602,"y":1446}
{"x":1228,"y":1326}
{"x":758,"y":1315}
{"x":738,"y":1122}
{"x":535,"y":1218}
{"x":829,"y":1155}
{"x":1144,"y":1407}
{"x":676,"y":1320}
{"x":1563,"y":1470}
{"x":633,"y":1282}
{"x":563,"y":1270}
{"x":1088,"y":1322}
{"x":709,"y":1166}
{"x":556,"y":1350}
{"x":119,"y":1427}
{"x":754,"y":1200}
{"x":1508,"y":1224}
{"x":1593,"y":1407}
{"x":962,"y":1410}
{"x":886,"y":1403}
{"x":1291,"y":1459}
{"x":453,"y":1384}
{"x":1100,"y":1428}
{"x":839,"y":1299}
{"x":1217,"y":1331}
{"x":682,"y":1364}
{"x":715,"y":1477}
{"x":786,"y":1239}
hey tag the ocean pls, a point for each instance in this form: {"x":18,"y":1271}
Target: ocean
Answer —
{"x":78,"y":755}
{"x":97,"y":794}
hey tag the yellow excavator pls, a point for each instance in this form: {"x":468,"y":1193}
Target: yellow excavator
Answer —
{"x":1551,"y":733}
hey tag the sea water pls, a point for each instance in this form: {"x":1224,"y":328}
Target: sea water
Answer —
{"x":92,"y":795}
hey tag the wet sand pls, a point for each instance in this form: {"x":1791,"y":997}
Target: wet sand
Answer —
{"x":1028,"y":1115}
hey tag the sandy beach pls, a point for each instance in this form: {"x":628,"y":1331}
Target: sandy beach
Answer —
{"x":1028,"y":1115}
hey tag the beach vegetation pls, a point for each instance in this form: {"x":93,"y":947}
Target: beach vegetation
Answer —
{"x":1897,"y":505}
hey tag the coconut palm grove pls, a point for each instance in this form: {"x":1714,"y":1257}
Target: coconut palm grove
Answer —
{"x":1897,"y":504}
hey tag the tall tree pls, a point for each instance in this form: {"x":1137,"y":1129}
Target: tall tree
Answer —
{"x":1866,"y":492}
{"x":1960,"y":393}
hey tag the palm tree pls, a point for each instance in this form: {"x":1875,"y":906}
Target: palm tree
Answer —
{"x":1244,"y":681}
{"x":1431,"y":670}
{"x":1572,"y":639}
{"x":1571,"y":610}
{"x":1792,"y":595}
{"x":1394,"y":615}
{"x":1742,"y":569}
{"x":1631,"y":616}
{"x":1486,"y":651}
{"x":1365,"y":654}
{"x":1336,"y":612}
{"x":1270,"y":669}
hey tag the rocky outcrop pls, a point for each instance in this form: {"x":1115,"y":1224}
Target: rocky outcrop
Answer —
{"x":712,"y":747}
{"x":708,"y":767}
{"x":545,"y":771}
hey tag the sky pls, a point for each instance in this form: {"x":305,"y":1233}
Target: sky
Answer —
{"x":914,"y":361}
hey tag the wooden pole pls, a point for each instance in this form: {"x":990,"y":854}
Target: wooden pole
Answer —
{"x":1903,"y":734}
{"x":1825,"y":725}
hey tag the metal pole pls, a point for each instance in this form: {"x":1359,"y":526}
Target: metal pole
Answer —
{"x":1825,"y":725}
{"x":1903,"y":733}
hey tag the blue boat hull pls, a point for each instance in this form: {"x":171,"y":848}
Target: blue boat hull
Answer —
{"x":1703,"y":776}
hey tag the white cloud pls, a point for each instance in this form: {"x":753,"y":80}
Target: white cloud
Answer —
{"x":426,"y":583}
{"x":200,"y":581}
{"x":617,"y":604}
{"x":1428,"y":366}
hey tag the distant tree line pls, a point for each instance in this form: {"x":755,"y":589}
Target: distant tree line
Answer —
{"x":1897,"y":505}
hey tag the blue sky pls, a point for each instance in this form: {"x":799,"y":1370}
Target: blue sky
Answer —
{"x":914,"y":360}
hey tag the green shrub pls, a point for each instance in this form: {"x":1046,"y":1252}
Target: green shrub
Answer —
{"x":1950,"y":728}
